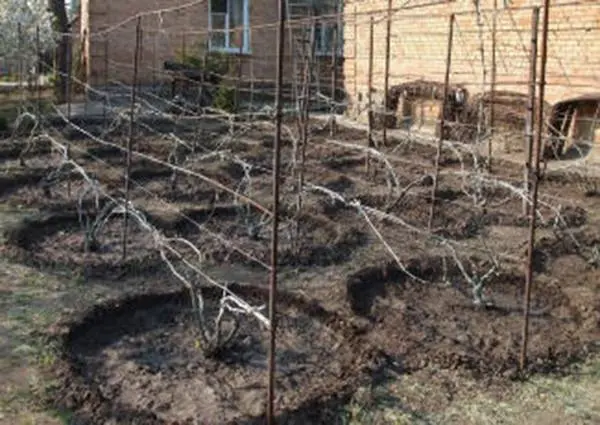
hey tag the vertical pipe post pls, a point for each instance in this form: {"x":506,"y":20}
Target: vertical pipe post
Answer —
{"x":239,"y":79}
{"x":334,"y":66}
{"x":386,"y":78}
{"x":20,"y":66}
{"x":492,"y":118}
{"x":355,"y":54}
{"x":105,"y":105}
{"x":370,"y":142}
{"x":69,"y":73}
{"x":438,"y":153}
{"x":535,"y":188}
{"x":136,"y":59}
{"x":38,"y":73}
{"x":530,"y":121}
{"x":275,"y":223}
{"x":86,"y":83}
{"x":154,"y":42}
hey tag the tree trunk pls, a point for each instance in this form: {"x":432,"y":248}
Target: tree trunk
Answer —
{"x":61,"y":26}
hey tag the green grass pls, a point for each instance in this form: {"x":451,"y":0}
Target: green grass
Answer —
{"x":542,"y":400}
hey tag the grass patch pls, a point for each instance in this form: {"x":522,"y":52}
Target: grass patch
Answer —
{"x":445,"y":398}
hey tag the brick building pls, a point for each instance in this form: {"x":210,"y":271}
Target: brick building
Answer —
{"x":245,"y":30}
{"x":419,"y":39}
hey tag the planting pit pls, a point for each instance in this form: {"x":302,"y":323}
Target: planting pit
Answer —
{"x":138,"y":360}
{"x":437,"y":324}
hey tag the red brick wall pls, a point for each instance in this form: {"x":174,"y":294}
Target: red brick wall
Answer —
{"x":164,"y":37}
{"x":419,"y":40}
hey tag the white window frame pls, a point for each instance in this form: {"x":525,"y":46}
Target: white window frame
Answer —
{"x":246,"y":30}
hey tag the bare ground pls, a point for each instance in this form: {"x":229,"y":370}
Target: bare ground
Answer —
{"x":438,"y":358}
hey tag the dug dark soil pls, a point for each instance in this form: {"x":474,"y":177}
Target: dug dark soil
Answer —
{"x":431,"y":324}
{"x":138,"y":361}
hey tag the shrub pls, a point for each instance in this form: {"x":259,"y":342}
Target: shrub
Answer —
{"x":224,"y":98}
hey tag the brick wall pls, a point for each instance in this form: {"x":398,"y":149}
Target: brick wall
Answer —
{"x":419,"y":44}
{"x":112,"y":30}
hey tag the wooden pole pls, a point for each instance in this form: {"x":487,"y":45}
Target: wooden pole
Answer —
{"x":136,"y":59}
{"x":275,"y":222}
{"x":530,"y":121}
{"x":438,"y":153}
{"x":536,"y":178}
{"x":370,"y":95}
{"x":386,"y":81}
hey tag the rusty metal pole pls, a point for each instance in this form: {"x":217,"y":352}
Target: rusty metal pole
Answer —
{"x":386,"y":81}
{"x":529,"y":130}
{"x":69,"y":74}
{"x":20,"y":67}
{"x":355,"y":57}
{"x":334,"y":71}
{"x":370,"y":95}
{"x":492,"y":119}
{"x":535,"y":188}
{"x":136,"y":60}
{"x":438,"y":153}
{"x":105,"y":103}
{"x":275,"y":230}
{"x":38,"y":74}
{"x":239,"y":78}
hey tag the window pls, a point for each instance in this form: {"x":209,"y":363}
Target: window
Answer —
{"x":229,"y":25}
{"x":325,"y":34}
{"x":326,"y":28}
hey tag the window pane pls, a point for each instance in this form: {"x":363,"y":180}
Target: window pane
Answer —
{"x":328,"y":39}
{"x":236,"y":38}
{"x":218,"y":29}
{"x":218,"y":6}
{"x":318,"y":37}
{"x":236,"y":13}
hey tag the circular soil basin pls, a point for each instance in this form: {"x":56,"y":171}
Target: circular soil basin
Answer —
{"x":139,"y":358}
{"x":57,"y":240}
{"x":421,"y":324}
{"x":322,"y":242}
